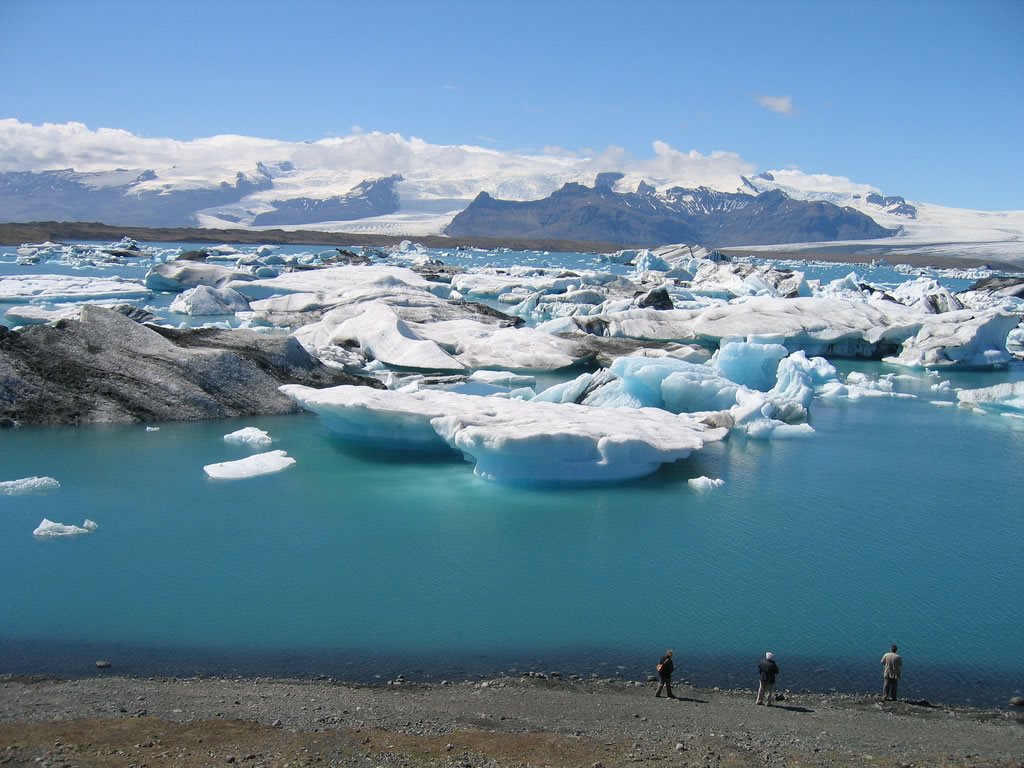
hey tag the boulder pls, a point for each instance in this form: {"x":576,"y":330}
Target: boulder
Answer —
{"x":104,"y":367}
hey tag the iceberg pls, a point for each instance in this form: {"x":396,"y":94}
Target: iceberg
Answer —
{"x":251,"y":466}
{"x":20,"y":289}
{"x":386,"y":337}
{"x":177,"y":276}
{"x":1009,"y":396}
{"x":28,"y":485}
{"x":705,"y":483}
{"x":830,"y":327}
{"x":509,"y":440}
{"x":49,"y":528}
{"x":204,"y":300}
{"x":248,"y":436}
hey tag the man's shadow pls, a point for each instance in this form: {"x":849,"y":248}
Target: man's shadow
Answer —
{"x":691,"y":700}
{"x":790,"y":708}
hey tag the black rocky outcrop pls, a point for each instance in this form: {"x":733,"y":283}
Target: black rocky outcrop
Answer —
{"x":117,"y":197}
{"x":106,"y":367}
{"x":677,"y":215}
{"x":373,"y":197}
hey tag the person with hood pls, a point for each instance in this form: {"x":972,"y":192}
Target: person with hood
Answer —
{"x":767,"y":670}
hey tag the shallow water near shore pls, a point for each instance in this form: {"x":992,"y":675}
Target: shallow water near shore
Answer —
{"x":897,"y":521}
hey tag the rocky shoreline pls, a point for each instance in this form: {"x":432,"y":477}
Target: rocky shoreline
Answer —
{"x":107,"y":721}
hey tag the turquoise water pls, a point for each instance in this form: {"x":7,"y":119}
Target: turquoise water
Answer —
{"x":898,"y":521}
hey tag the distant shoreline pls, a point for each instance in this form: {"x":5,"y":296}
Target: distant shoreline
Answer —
{"x":41,"y":231}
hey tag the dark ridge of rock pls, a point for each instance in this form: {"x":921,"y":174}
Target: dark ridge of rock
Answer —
{"x":192,"y":256}
{"x":892,"y":204}
{"x":120,"y":197}
{"x":656,"y":299}
{"x":491,"y":313}
{"x":677,"y":215}
{"x":372,"y":197}
{"x":105,"y":367}
{"x":1006,"y":286}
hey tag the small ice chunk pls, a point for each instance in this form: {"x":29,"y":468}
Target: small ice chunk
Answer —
{"x":249,"y":436}
{"x":705,"y":483}
{"x":50,"y":528}
{"x":28,"y":485}
{"x":152,"y":429}
{"x":251,"y":466}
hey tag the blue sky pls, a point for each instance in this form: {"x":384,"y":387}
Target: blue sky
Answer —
{"x":923,"y":99}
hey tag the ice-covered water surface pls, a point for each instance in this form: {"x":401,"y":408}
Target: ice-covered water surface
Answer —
{"x":897,"y":521}
{"x":892,"y":520}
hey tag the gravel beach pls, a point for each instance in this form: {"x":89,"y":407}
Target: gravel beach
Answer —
{"x":119,"y":721}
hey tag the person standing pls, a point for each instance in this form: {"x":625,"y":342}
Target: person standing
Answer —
{"x":665,"y":668}
{"x":767,"y":670}
{"x":892,"y":666}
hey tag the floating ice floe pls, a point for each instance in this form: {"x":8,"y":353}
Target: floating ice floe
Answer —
{"x":251,"y":466}
{"x":204,"y":300}
{"x":732,"y":280}
{"x":705,"y":483}
{"x":50,"y":528}
{"x":787,"y":386}
{"x":248,"y":436}
{"x":512,"y":441}
{"x":1005,"y":396}
{"x":28,"y":485}
{"x":178,"y":276}
{"x":17,"y":289}
{"x":828,"y":327}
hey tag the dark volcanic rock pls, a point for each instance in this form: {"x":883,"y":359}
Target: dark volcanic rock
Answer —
{"x":116,"y":197}
{"x":656,"y":299}
{"x":108,"y":368}
{"x":677,"y":215}
{"x":373,"y":197}
{"x":1005,"y":286}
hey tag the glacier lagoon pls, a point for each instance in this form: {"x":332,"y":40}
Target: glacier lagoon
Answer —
{"x":896,"y":521}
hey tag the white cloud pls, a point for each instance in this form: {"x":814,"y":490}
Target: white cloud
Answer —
{"x":781,"y":104}
{"x":332,"y":165}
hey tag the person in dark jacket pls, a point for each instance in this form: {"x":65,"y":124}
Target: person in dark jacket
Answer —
{"x":767,"y":670}
{"x":665,"y":668}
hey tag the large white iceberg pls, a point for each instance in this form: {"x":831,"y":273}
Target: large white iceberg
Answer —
{"x":512,"y":441}
{"x":251,"y":466}
{"x":28,"y":485}
{"x":49,"y":528}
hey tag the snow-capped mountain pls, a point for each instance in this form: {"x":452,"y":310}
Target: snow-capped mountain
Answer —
{"x":388,"y":184}
{"x":648,"y":217}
